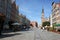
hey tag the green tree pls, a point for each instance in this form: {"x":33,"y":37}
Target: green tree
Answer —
{"x":46,"y":23}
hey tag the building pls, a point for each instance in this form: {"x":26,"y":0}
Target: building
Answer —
{"x":51,"y":21}
{"x":24,"y":20}
{"x":9,"y":11}
{"x":15,"y":13}
{"x":34,"y":24}
{"x":56,"y":13}
{"x":43,"y":19}
{"x":27,"y":21}
{"x":21,"y":18}
{"x":5,"y":9}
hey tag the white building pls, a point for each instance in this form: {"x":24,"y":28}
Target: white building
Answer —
{"x":51,"y":20}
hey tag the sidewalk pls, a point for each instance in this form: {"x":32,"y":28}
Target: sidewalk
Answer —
{"x":22,"y":35}
{"x":56,"y":31}
{"x":47,"y":35}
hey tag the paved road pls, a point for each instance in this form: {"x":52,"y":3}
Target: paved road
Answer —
{"x":34,"y":34}
{"x":45,"y":35}
{"x":23,"y":35}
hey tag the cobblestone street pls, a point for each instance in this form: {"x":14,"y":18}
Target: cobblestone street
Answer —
{"x":29,"y":19}
{"x":35,"y":34}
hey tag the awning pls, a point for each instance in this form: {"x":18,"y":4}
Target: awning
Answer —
{"x":57,"y":24}
{"x":15,"y":24}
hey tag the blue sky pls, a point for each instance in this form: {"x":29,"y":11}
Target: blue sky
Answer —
{"x":32,"y":8}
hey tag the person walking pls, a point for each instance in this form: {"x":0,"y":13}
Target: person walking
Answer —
{"x":42,"y":29}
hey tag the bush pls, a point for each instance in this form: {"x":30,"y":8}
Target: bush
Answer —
{"x":46,"y":23}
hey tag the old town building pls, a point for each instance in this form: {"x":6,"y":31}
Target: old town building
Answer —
{"x":24,"y":20}
{"x":43,"y":19}
{"x":9,"y":11}
{"x":15,"y":12}
{"x":56,"y":13}
{"x":5,"y":9}
{"x":10,"y":14}
{"x":34,"y":24}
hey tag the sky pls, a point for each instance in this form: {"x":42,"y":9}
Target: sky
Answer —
{"x":32,"y":9}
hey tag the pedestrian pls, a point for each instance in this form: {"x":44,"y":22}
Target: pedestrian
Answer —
{"x":43,"y":29}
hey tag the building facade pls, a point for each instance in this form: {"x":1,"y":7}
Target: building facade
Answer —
{"x":43,"y":18}
{"x":5,"y":9}
{"x":15,"y":13}
{"x":56,"y":13}
{"x":24,"y":20}
{"x":51,"y":21}
{"x":34,"y":24}
{"x":9,"y":11}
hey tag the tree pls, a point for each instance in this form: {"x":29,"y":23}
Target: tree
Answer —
{"x":46,"y":23}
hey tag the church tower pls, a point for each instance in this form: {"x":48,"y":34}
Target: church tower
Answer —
{"x":42,"y":17}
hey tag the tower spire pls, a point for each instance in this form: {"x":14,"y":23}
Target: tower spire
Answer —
{"x":42,"y":12}
{"x":42,"y":17}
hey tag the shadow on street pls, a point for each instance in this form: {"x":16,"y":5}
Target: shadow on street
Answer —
{"x":9,"y":35}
